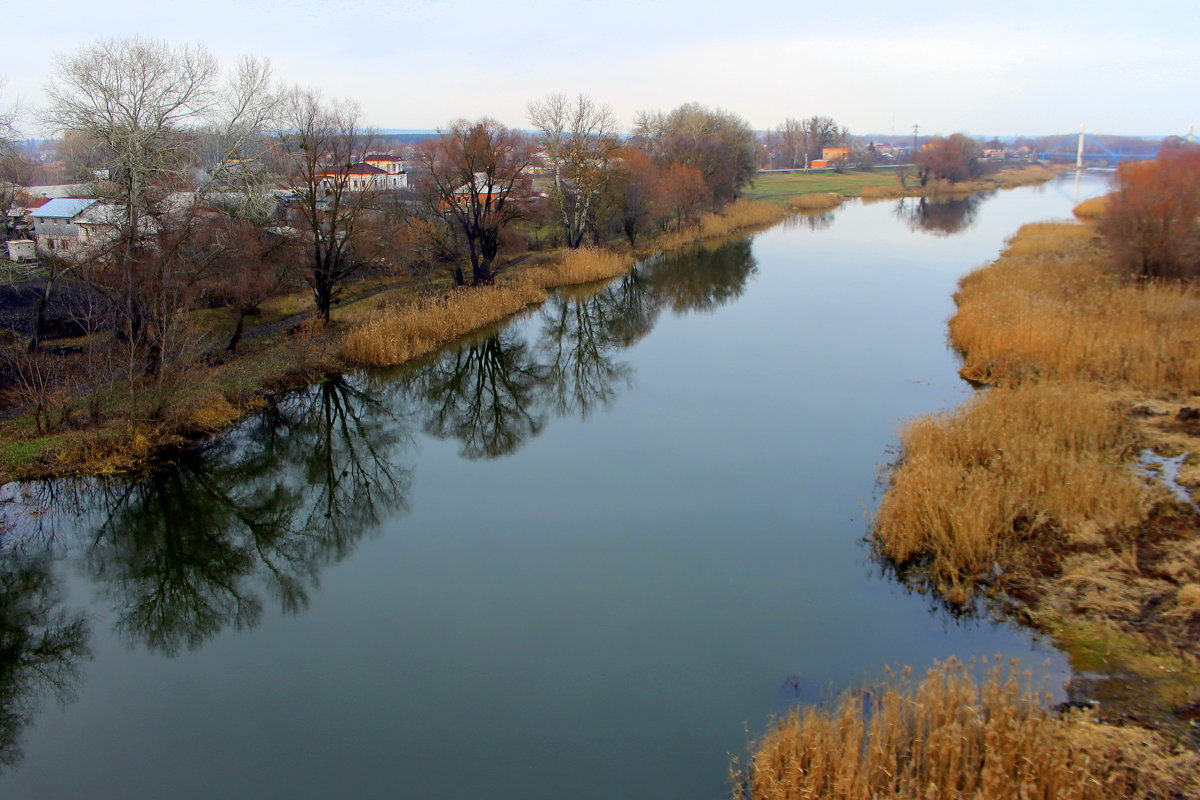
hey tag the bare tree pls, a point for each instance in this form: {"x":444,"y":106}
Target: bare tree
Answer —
{"x":473,"y":170}
{"x":819,"y":133}
{"x":578,"y":139}
{"x":139,"y":105}
{"x":11,"y":161}
{"x":791,"y":139}
{"x":319,"y":144}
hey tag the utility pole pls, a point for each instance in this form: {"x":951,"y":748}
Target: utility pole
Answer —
{"x":1079,"y":152}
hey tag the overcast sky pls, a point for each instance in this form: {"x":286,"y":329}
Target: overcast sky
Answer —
{"x":878,"y":66}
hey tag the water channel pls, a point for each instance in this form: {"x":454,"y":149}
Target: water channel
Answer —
{"x":578,"y":557}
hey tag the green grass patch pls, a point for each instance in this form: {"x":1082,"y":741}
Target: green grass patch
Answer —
{"x":778,"y":186}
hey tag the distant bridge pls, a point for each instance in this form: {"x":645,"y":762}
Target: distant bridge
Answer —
{"x":1077,"y":148}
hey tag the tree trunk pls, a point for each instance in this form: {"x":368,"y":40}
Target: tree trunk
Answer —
{"x":323,"y":294}
{"x":481,"y":272}
{"x":39,"y":322}
{"x":237,"y":333}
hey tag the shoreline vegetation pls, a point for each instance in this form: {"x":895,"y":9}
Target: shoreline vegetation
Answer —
{"x":1046,"y":499}
{"x":961,"y":731}
{"x":816,"y":192}
{"x":378,"y":323}
{"x":389,"y":322}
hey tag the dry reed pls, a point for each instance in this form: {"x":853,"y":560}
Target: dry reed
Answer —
{"x":398,"y":333}
{"x":937,"y":188}
{"x":815,"y":202}
{"x":975,"y":482}
{"x":955,"y":736}
{"x":1092,"y":209}
{"x":1049,"y":308}
{"x":588,"y":264}
{"x":740,"y":216}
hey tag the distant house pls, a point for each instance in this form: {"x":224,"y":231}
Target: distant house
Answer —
{"x":835,"y":153}
{"x":56,"y":224}
{"x":364,"y":177}
{"x":392,"y":165}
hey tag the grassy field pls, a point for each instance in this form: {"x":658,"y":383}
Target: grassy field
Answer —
{"x":879,"y":184}
{"x":779,"y":186}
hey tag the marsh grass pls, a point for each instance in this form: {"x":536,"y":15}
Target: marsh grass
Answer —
{"x":958,"y":734}
{"x":817,"y":202}
{"x":1051,"y":309}
{"x":1004,"y":179}
{"x":1091,"y":209}
{"x":396,"y":332}
{"x":973,"y":482}
{"x":741,"y":216}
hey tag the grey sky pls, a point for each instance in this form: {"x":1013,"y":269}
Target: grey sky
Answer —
{"x":985,"y":68}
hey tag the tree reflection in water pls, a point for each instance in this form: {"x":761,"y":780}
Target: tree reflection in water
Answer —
{"x":195,"y":548}
{"x":496,"y":392}
{"x":482,"y":394}
{"x":185,"y":552}
{"x":939,"y":217}
{"x":703,"y":279}
{"x":41,"y":644}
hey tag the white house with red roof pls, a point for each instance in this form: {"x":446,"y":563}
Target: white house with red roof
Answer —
{"x":363,"y":177}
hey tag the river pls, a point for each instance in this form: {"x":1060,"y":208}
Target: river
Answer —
{"x":581,"y":556}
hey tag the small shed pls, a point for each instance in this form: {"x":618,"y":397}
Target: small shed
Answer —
{"x":21,"y":250}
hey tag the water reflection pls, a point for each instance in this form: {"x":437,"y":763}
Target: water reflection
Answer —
{"x":208,"y":544}
{"x":41,"y":645}
{"x":495,"y":393}
{"x":482,"y":394}
{"x":939,"y":217}
{"x":705,"y":279}
{"x":185,"y":552}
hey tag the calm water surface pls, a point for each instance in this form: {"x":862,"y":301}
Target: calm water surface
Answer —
{"x":577,"y":558}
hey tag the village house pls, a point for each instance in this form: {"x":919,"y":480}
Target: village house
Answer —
{"x":56,"y":224}
{"x":364,"y":177}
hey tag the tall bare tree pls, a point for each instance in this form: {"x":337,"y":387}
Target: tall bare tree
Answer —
{"x":319,"y":142}
{"x":791,"y":141}
{"x":473,"y":169}
{"x":139,"y":105}
{"x":819,"y":133}
{"x":578,"y":139}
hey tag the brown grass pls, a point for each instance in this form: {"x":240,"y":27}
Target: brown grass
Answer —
{"x":589,"y":264}
{"x":1011,"y":463}
{"x":398,"y":333}
{"x":955,"y":736}
{"x":816,"y":202}
{"x":1005,"y":179}
{"x":740,"y":216}
{"x":1049,"y":308}
{"x":1092,"y":209}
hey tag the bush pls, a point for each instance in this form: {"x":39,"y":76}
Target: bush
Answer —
{"x":1149,"y":223}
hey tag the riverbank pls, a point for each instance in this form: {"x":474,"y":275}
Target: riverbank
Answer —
{"x":1065,"y":498}
{"x":379,"y":322}
{"x":792,"y":188}
{"x":1067,"y":493}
